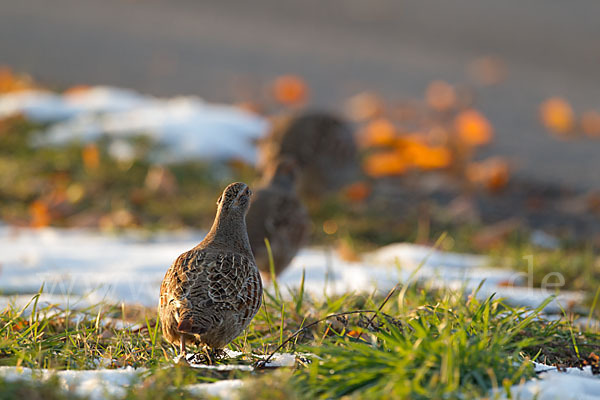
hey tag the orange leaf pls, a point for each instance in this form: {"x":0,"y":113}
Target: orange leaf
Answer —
{"x":330,"y":227}
{"x":493,"y":173}
{"x":358,"y":191}
{"x":91,"y":156}
{"x":380,"y":132}
{"x":385,"y":164}
{"x":355,"y":334}
{"x":77,"y":89}
{"x":364,"y":106}
{"x":440,"y":96}
{"x":40,"y":215}
{"x":10,"y":82}
{"x":425,"y":157}
{"x":473,"y":128}
{"x":417,"y":153}
{"x":557,"y":115}
{"x":590,"y":123}
{"x":290,"y":90}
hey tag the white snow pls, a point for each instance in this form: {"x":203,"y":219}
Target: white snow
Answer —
{"x":572,"y":384}
{"x":79,"y":268}
{"x":189,"y":127}
{"x":110,"y":383}
{"x":97,"y":384}
{"x":224,"y":389}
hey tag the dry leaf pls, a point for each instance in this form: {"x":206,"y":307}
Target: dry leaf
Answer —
{"x":557,"y":115}
{"x":380,"y":132}
{"x":75,"y":90}
{"x":330,"y":227}
{"x":493,"y":173}
{"x":290,"y":90}
{"x":473,"y":128}
{"x":357,"y":192}
{"x":10,"y":82}
{"x":440,"y":96}
{"x":590,"y":123}
{"x":364,"y":106}
{"x":425,"y":157}
{"x":40,"y":215}
{"x":382,"y":164}
{"x":91,"y":156}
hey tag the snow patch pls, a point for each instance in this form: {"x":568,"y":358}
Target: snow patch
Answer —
{"x":188,"y":127}
{"x":572,"y":384}
{"x":80,"y":268}
{"x":96,"y":384}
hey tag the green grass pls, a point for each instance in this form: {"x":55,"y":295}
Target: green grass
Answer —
{"x":105,"y":193}
{"x":424,"y":343}
{"x":429,"y":344}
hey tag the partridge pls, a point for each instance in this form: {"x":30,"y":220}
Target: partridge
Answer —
{"x":210,"y":293}
{"x":322,"y":144}
{"x":277,"y":214}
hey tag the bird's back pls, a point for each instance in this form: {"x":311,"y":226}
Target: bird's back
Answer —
{"x":209,"y":293}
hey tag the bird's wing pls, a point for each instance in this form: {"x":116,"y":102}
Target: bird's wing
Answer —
{"x":203,"y":284}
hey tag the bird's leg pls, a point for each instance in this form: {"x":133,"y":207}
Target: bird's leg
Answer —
{"x":181,"y":358}
{"x":182,"y":346}
{"x":208,"y":358}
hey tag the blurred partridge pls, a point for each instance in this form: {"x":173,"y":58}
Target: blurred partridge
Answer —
{"x":210,"y":293}
{"x":323,"y":146}
{"x":277,"y":214}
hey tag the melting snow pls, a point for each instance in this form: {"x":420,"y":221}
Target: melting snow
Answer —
{"x":80,"y":268}
{"x":97,"y":384}
{"x":572,"y":384}
{"x":111,"y":383}
{"x":189,"y":127}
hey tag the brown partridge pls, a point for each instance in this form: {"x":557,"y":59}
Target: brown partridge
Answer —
{"x":210,"y":293}
{"x":277,"y":214}
{"x":323,"y":146}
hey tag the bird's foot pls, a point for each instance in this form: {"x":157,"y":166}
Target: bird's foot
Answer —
{"x":207,"y":356}
{"x":182,"y":359}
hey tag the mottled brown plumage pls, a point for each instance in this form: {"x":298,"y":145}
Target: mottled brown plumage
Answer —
{"x":211,"y":293}
{"x":276,"y":213}
{"x":321,"y":143}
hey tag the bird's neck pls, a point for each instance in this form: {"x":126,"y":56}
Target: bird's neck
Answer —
{"x":229,"y":231}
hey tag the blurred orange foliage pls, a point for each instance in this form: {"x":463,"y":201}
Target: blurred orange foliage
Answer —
{"x":10,"y":82}
{"x":364,"y":106}
{"x":77,"y":89}
{"x":357,"y":191}
{"x":425,"y":157}
{"x":40,"y":215}
{"x":557,"y":115}
{"x":91,"y":156}
{"x":590,"y":123}
{"x":290,"y":90}
{"x":386,"y":163}
{"x":440,"y":96}
{"x":493,"y":173}
{"x":473,"y":128}
{"x":379,"y":132}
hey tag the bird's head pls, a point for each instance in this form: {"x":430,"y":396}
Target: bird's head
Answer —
{"x":285,"y":172}
{"x":235,"y":199}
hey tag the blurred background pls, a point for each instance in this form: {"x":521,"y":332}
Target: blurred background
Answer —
{"x":478,"y":114}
